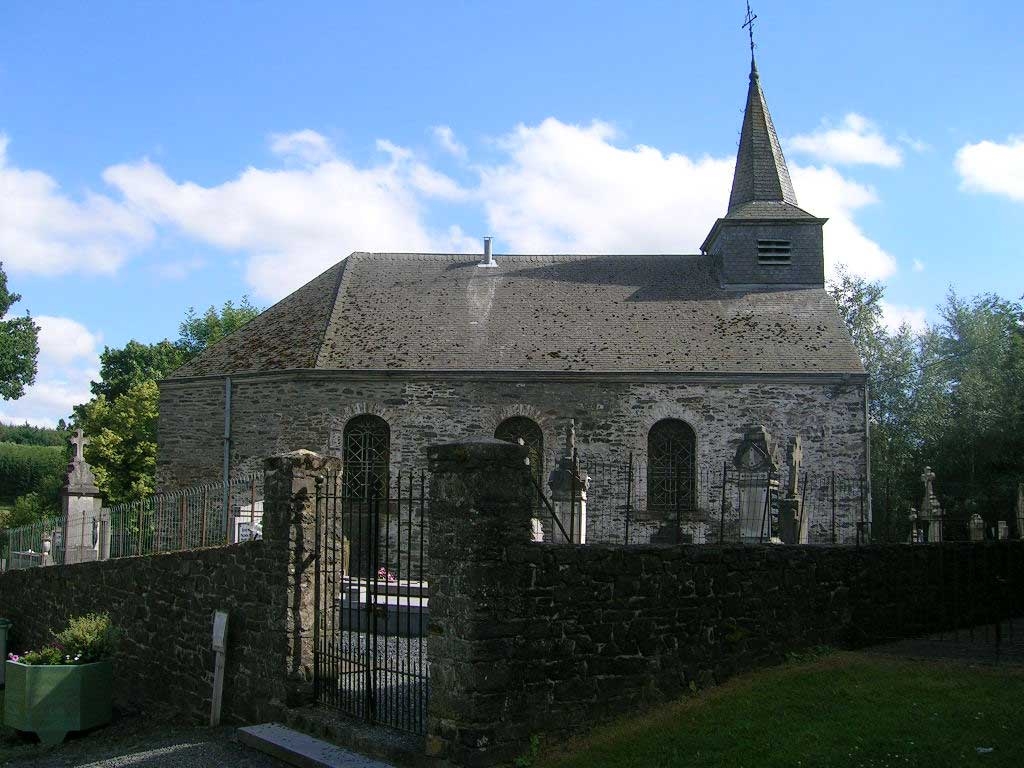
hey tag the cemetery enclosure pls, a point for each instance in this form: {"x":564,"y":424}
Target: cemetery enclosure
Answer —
{"x":549,"y":639}
{"x":524,"y":638}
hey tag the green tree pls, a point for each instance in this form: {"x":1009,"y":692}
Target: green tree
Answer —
{"x":123,"y":368}
{"x":971,"y":434}
{"x":122,"y":448}
{"x":892,"y":362}
{"x":121,"y":418}
{"x":26,"y":434}
{"x":197,"y":332}
{"x":19,"y":346}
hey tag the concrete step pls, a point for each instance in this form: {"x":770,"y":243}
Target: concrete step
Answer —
{"x":402,"y":749}
{"x":302,"y":749}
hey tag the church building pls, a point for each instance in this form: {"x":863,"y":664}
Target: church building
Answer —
{"x":675,"y":359}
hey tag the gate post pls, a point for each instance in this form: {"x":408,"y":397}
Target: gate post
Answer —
{"x":481,"y":502}
{"x":289,"y":530}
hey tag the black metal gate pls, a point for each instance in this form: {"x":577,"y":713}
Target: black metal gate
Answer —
{"x":370,"y":655}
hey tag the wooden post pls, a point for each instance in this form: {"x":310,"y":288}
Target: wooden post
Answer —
{"x":220,"y":644}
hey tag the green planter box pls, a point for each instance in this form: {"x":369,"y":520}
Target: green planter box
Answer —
{"x":52,"y":700}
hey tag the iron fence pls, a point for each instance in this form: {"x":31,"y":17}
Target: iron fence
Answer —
{"x":208,"y":515}
{"x":39,"y":543}
{"x":613,"y":502}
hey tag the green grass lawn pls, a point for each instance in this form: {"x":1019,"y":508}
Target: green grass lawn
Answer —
{"x":844,"y":710}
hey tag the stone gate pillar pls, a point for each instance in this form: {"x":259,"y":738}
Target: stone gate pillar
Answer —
{"x":481,"y":501}
{"x":289,"y":533}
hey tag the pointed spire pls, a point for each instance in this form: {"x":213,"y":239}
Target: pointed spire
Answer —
{"x":761,"y":173}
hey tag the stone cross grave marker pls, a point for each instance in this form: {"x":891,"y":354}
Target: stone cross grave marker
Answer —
{"x":79,"y":441}
{"x":796,"y":457}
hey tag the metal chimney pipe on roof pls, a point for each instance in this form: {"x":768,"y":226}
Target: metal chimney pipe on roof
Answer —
{"x":488,"y":256}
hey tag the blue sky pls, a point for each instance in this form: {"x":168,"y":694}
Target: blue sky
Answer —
{"x":159,"y":156}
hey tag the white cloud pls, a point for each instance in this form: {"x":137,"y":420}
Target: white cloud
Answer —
{"x":896,"y":315}
{"x":555,"y":188}
{"x":306,"y":145}
{"x":68,"y":361}
{"x":914,"y":145}
{"x":293,"y":223}
{"x":568,"y":188}
{"x":63,"y":341}
{"x":992,"y":167}
{"x":855,"y":141}
{"x":43,"y":231}
{"x":827,"y":193}
{"x":434,"y":184}
{"x":918,"y":265}
{"x":445,"y":136}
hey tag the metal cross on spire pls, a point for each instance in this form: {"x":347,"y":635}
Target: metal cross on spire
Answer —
{"x":748,"y":24}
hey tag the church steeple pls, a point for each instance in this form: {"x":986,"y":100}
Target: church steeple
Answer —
{"x":761,"y":174}
{"x":764,"y":240}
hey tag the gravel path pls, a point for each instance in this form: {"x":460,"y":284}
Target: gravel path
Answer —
{"x":137,"y":742}
{"x":988,"y":644}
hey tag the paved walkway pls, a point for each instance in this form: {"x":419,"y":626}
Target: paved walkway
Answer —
{"x":141,"y":744}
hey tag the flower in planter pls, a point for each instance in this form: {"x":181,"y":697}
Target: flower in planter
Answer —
{"x":386,"y":575}
{"x":13,"y":657}
{"x":86,"y":639}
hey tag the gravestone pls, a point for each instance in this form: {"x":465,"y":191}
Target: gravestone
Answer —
{"x":976,"y":527}
{"x":81,"y":503}
{"x":930,"y":516}
{"x":792,"y":524}
{"x":569,"y":486}
{"x":757,"y":462}
{"x":1002,"y":530}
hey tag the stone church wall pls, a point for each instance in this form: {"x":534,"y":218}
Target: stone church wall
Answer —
{"x":274,"y":413}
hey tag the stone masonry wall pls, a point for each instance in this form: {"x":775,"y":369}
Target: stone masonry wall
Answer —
{"x":164,"y":606}
{"x":284,"y":412}
{"x":612,"y":629}
{"x":541,"y":639}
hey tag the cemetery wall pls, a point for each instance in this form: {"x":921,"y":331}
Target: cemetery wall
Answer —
{"x":164,"y":606}
{"x":558,"y":638}
{"x":606,"y":630}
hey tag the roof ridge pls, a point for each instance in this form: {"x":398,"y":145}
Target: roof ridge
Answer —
{"x":329,"y":315}
{"x":461,"y":256}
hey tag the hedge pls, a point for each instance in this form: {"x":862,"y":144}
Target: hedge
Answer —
{"x":24,"y":467}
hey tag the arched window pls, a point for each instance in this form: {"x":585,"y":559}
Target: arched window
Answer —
{"x":520,"y":427}
{"x":671,"y":467}
{"x":366,"y":456}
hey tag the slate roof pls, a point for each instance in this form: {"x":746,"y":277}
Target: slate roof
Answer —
{"x":557,"y":313}
{"x":761,"y":172}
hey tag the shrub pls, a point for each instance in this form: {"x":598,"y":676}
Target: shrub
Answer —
{"x":43,"y":657}
{"x":88,"y":638}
